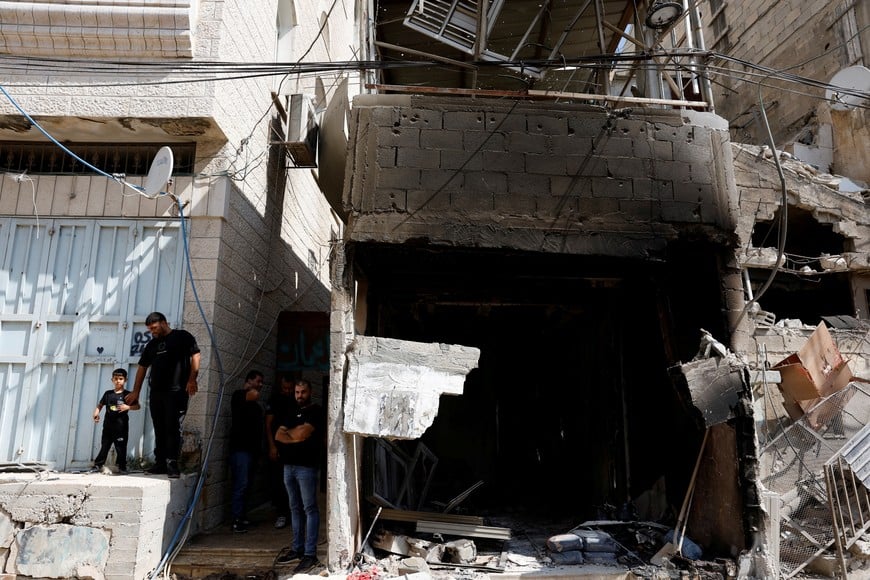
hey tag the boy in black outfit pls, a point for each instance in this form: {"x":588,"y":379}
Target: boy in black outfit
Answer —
{"x":116,"y":425}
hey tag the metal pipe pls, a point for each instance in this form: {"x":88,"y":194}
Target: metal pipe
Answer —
{"x":706,"y":87}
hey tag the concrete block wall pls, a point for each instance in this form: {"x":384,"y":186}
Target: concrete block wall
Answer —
{"x":425,"y":167}
{"x":58,"y":525}
{"x":782,"y":35}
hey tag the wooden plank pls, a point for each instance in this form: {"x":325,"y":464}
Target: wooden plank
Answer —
{"x":533,"y":94}
{"x":397,"y":515}
{"x":463,"y":530}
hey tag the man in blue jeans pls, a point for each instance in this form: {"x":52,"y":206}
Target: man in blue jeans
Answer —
{"x":246,"y":443}
{"x":301,"y":442}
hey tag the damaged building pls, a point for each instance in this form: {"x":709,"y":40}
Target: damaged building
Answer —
{"x":587,"y":248}
{"x":571,"y":298}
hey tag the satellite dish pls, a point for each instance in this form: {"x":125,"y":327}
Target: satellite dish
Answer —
{"x":161,"y":170}
{"x":854,"y":79}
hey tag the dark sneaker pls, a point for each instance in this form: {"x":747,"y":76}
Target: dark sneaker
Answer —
{"x":172,"y":470}
{"x":287,"y":555}
{"x":95,"y":469}
{"x":122,"y":471}
{"x":306,"y":564}
{"x":156,"y":469}
{"x":239,"y":527}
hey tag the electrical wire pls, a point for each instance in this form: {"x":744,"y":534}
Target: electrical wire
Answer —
{"x":117,"y":178}
{"x":176,"y":543}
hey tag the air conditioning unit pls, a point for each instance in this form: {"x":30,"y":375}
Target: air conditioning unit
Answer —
{"x":302,"y":131}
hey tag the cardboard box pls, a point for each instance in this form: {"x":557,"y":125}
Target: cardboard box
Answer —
{"x":815,"y":371}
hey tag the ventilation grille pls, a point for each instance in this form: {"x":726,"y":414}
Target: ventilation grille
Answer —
{"x":129,"y":159}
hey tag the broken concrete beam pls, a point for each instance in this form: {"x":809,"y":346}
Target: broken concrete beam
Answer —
{"x":715,"y":386}
{"x":394,"y":386}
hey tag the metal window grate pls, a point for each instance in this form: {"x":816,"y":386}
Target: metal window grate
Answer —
{"x":797,"y":454}
{"x":129,"y":159}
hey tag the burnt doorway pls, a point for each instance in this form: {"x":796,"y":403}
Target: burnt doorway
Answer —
{"x":570,"y":411}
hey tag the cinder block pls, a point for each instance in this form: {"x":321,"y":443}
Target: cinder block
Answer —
{"x":670,"y":171}
{"x":584,"y":126}
{"x":693,"y":153}
{"x":594,"y":207}
{"x":635,"y":129}
{"x":422,"y":118}
{"x":437,"y":199}
{"x":586,"y":165}
{"x":576,"y":186}
{"x":484,"y":181}
{"x":388,"y":200}
{"x":553,"y":124}
{"x":545,"y":164}
{"x":386,"y":156}
{"x":418,"y":158}
{"x":613,"y":188}
{"x":523,"y":183}
{"x":693,"y":192}
{"x":561,"y":207}
{"x":680,"y":212}
{"x":514,"y":204}
{"x":505,"y":123}
{"x":474,"y":200}
{"x":440,"y":139}
{"x":530,"y":144}
{"x":614,"y":147}
{"x":397,"y":136}
{"x":399,"y":177}
{"x":647,"y":210}
{"x":653,"y":189}
{"x":628,"y":167}
{"x":465,"y":120}
{"x":435,"y":179}
{"x":466,"y":160}
{"x":503,"y":161}
{"x":570,"y":145}
{"x":484,"y":141}
{"x":702,"y":172}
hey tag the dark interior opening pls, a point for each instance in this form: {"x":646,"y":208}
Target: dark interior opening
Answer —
{"x":570,"y":413}
{"x":793,"y":294}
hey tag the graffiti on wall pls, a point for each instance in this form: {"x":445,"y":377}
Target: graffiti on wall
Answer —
{"x":303,"y":341}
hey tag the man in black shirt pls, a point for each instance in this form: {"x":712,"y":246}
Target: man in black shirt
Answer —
{"x":281,"y":406}
{"x":173,"y":358}
{"x":246,"y":442}
{"x":301,"y":438}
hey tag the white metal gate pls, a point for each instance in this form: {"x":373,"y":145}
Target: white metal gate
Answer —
{"x":74,"y":294}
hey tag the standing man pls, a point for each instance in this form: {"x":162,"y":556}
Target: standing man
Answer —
{"x":246,"y":443}
{"x":302,"y":438}
{"x":282,"y":405}
{"x":173,"y":357}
